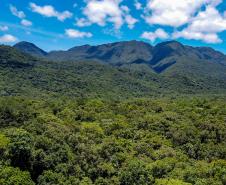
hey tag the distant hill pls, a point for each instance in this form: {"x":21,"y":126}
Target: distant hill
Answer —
{"x":118,"y":70}
{"x":116,"y":53}
{"x":159,"y":58}
{"x":23,"y":75}
{"x":30,"y":48}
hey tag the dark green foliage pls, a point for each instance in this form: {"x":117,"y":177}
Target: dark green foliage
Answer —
{"x":93,"y":141}
{"x":14,"y":112}
{"x":23,"y":75}
{"x":19,"y":148}
{"x":84,"y":123}
{"x":136,"y":173}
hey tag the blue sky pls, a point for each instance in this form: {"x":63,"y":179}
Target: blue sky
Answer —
{"x":54,"y":24}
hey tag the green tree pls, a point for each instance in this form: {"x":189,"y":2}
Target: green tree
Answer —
{"x":19,"y":150}
{"x":135,"y":173}
{"x":13,"y":176}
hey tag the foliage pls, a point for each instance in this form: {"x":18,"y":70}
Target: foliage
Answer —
{"x":14,"y":176}
{"x":93,"y":141}
{"x":23,"y":75}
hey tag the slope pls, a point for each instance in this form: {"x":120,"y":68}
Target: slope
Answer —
{"x":98,"y":79}
{"x":30,"y":48}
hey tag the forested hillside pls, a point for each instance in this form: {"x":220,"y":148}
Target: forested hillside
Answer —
{"x":23,"y":75}
{"x":95,"y":123}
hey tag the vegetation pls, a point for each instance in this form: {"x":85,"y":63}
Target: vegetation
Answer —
{"x":89,"y":123}
{"x":94,"y":141}
{"x":23,"y":75}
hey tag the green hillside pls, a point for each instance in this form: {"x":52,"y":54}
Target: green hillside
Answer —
{"x":23,"y":75}
{"x":95,"y":123}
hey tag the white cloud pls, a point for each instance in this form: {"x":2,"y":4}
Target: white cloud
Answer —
{"x":17,"y":13}
{"x":113,"y":32}
{"x":138,"y":5}
{"x":152,"y":36}
{"x":125,"y":8}
{"x":4,"y":28}
{"x":209,"y":20}
{"x":82,"y":22}
{"x":205,"y":26}
{"x":130,"y":21}
{"x":206,"y":37}
{"x":77,"y":34}
{"x":21,"y":15}
{"x":26,"y":22}
{"x":7,"y":38}
{"x":174,"y":13}
{"x":101,"y":11}
{"x":106,"y":11}
{"x":49,"y":11}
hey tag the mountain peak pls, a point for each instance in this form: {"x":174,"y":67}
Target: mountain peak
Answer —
{"x":83,"y":47}
{"x":24,"y":42}
{"x":130,"y":42}
{"x":172,"y":43}
{"x":159,"y":57}
{"x":30,"y":48}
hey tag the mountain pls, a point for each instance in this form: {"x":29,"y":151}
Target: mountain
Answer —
{"x":24,"y":75}
{"x":118,"y":53}
{"x":159,"y":58}
{"x":30,"y":48}
{"x":210,"y":54}
{"x":117,"y":70}
{"x":156,"y":116}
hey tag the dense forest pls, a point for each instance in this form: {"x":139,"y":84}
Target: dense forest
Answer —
{"x":90,"y":123}
{"x":93,"y":141}
{"x":24,"y":75}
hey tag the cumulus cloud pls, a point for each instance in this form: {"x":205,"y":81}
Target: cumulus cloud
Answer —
{"x":209,"y":20}
{"x":49,"y":11}
{"x":199,"y":19}
{"x":152,"y":36}
{"x":174,"y":13}
{"x":21,"y":15}
{"x":206,"y":37}
{"x":7,"y":38}
{"x":138,"y":5}
{"x":130,"y":21}
{"x":82,"y":22}
{"x":102,"y":11}
{"x":125,"y":8}
{"x":26,"y":22}
{"x":77,"y":34}
{"x":16,"y":12}
{"x":205,"y":26}
{"x":4,"y":28}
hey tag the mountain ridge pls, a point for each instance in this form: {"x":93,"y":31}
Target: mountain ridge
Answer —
{"x":175,"y":74}
{"x":159,"y":57}
{"x":113,"y":43}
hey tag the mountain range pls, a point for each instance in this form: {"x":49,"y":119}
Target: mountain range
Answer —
{"x":159,"y":58}
{"x":116,"y":70}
